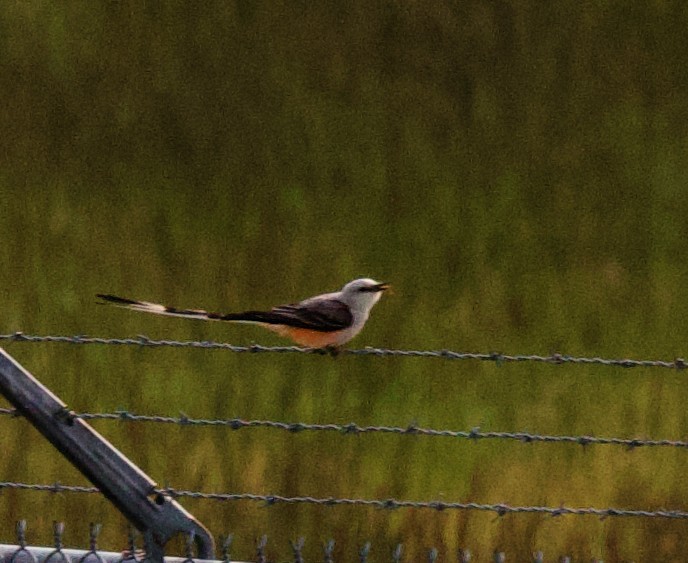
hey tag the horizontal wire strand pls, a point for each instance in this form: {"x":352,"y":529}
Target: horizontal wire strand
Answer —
{"x":356,"y":429}
{"x":501,"y":509}
{"x":498,"y":358}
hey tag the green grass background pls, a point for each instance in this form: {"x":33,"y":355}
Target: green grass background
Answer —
{"x":516,"y":169}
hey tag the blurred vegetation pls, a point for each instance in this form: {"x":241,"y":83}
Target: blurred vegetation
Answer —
{"x":516,"y":169}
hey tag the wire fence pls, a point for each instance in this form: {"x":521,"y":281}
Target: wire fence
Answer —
{"x":22,"y":552}
{"x":500,"y":509}
{"x":354,"y":429}
{"x":474,"y":434}
{"x":496,"y":357}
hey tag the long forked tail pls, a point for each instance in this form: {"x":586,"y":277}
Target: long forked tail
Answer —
{"x":158,"y":309}
{"x":286,"y":315}
{"x":330,"y":316}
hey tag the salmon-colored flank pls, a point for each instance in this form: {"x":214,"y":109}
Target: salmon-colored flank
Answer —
{"x":305,"y":336}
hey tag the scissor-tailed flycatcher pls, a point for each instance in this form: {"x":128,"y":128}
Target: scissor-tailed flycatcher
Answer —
{"x":331,"y":319}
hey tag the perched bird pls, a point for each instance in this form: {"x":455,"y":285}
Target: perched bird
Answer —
{"x":324,"y":321}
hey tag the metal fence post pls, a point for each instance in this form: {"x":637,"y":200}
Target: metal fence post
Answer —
{"x":157,"y":516}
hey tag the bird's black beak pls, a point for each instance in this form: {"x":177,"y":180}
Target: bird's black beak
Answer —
{"x":382,"y":286}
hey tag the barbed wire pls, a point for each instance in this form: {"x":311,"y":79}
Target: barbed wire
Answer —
{"x":501,"y":509}
{"x":354,"y":429}
{"x":498,"y":358}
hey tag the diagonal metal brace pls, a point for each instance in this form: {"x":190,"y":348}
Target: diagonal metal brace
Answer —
{"x":158,"y":517}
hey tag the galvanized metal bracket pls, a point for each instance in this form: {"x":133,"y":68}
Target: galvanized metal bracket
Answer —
{"x":157,"y":516}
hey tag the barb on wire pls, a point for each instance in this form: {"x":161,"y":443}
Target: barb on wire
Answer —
{"x":498,"y":358}
{"x":501,"y":509}
{"x":354,"y":429}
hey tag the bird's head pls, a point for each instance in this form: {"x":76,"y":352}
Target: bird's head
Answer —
{"x":363,"y":293}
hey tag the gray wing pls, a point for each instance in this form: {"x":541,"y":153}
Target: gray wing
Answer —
{"x":327,"y":315}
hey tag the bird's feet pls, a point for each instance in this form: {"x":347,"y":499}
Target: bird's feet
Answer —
{"x":330,"y":349}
